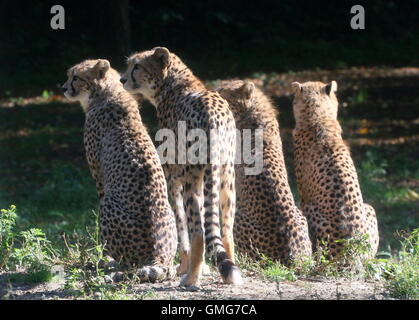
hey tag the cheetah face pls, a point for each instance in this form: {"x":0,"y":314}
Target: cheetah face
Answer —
{"x":76,"y":88}
{"x":146,"y":72}
{"x":82,"y":78}
{"x":314,"y":99}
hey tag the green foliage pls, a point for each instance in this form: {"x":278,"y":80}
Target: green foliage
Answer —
{"x":269,"y":269}
{"x":29,"y":249}
{"x":361,"y":96}
{"x":348,"y":264}
{"x":34,"y":250}
{"x":38,"y":274}
{"x":355,"y":248}
{"x":70,"y":181}
{"x":46,"y":94}
{"x":404,"y":280}
{"x":7,"y":237}
{"x":373,"y":166}
{"x":85,"y":263}
{"x":395,"y":204}
{"x":278,"y":272}
{"x":400,"y":271}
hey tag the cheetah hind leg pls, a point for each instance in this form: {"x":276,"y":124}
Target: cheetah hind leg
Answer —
{"x":176,"y":191}
{"x":229,"y":272}
{"x":180,"y":271}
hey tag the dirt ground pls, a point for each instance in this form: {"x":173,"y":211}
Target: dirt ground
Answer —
{"x":254,"y":288}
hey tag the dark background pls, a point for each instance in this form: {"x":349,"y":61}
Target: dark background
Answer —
{"x":217,"y":39}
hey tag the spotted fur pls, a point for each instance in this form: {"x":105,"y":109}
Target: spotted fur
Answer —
{"x":326,"y":175}
{"x":137,"y":224}
{"x":267,"y":220}
{"x":197,"y":190}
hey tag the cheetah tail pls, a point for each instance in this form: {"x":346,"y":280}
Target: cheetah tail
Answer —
{"x":229,"y":272}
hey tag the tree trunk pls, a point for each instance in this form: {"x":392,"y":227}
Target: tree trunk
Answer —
{"x":120,"y":10}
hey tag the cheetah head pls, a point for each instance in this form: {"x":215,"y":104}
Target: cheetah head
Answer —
{"x":83,"y":77}
{"x":146,"y":72}
{"x":248,"y":103}
{"x":238,"y":93}
{"x":314,"y":99}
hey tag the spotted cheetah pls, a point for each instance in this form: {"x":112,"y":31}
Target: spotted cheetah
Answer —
{"x":203,"y":188}
{"x":267,"y":220}
{"x":137,"y":224}
{"x":327,"y":181}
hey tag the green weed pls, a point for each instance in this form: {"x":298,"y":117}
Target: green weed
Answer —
{"x":404,"y":278}
{"x":29,"y":249}
{"x":278,"y":272}
{"x":7,"y":237}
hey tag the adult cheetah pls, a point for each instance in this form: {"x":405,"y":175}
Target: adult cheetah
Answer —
{"x":137,"y":224}
{"x":326,"y":176}
{"x":267,"y":220}
{"x":201,"y":188}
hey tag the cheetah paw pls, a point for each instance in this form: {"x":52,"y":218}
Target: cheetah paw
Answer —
{"x":191,"y":283}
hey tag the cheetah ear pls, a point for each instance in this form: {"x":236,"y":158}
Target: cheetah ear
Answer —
{"x":331,"y":87}
{"x":162,"y":55}
{"x":296,"y":87}
{"x":100,"y":68}
{"x":247,"y":89}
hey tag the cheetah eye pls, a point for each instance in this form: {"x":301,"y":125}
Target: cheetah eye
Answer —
{"x":75,"y":78}
{"x":136,"y":66}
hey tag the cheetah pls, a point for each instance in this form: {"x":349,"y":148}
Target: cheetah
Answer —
{"x":198,"y":190}
{"x":267,"y":220}
{"x":327,"y":181}
{"x":137,"y":224}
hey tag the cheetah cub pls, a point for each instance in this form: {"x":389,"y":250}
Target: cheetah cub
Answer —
{"x":183,"y":103}
{"x":326,"y":177}
{"x":137,"y":224}
{"x":267,"y":220}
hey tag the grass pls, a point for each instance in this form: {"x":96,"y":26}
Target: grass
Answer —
{"x":45,"y":175}
{"x":404,"y":279}
{"x":399,"y":272}
{"x":29,"y":250}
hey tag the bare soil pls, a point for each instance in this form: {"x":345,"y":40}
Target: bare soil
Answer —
{"x":254,"y":288}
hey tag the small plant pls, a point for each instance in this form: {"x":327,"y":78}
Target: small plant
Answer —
{"x":28,"y":249}
{"x":33,"y":250}
{"x":404,"y":280}
{"x":355,"y":252}
{"x":278,"y":272}
{"x":47,"y":94}
{"x":85,"y":263}
{"x":7,"y":237}
{"x":348,"y":264}
{"x":34,"y":254}
{"x":379,"y":269}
